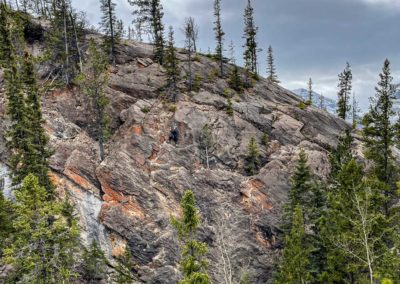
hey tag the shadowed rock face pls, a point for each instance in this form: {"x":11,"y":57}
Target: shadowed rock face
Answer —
{"x":127,"y":199}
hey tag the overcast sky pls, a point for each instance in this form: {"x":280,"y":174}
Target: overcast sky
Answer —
{"x":310,"y":38}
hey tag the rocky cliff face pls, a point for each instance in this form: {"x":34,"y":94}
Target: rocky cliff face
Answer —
{"x":126,"y":200}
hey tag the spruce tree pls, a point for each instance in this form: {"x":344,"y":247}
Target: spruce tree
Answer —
{"x":355,"y":111}
{"x":342,"y":154}
{"x":219,"y":36}
{"x":193,"y":264}
{"x":235,"y":80}
{"x":36,"y":162}
{"x":271,"y":71}
{"x":124,"y":268}
{"x":149,"y":16}
{"x":295,"y":266}
{"x":229,"y":107}
{"x":6,"y":46}
{"x":64,"y":37}
{"x":189,"y":31}
{"x":94,"y":263}
{"x":359,"y":237}
{"x":45,"y":242}
{"x":172,"y":65}
{"x":93,"y":81}
{"x":253,"y":157}
{"x":379,"y":132}
{"x":310,"y":92}
{"x":6,"y":217}
{"x":345,"y":86}
{"x":109,"y":26}
{"x":250,"y":36}
{"x":299,"y":193}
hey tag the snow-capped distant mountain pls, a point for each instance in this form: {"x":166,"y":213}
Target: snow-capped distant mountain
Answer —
{"x":396,"y":104}
{"x":329,"y":104}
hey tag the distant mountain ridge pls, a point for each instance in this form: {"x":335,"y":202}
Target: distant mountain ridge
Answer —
{"x":329,"y":104}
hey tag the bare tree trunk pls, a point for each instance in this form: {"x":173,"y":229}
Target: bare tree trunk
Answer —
{"x":66,"y":43}
{"x":77,"y":43}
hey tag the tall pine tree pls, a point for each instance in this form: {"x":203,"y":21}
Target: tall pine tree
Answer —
{"x":36,"y":162}
{"x":172,"y":65}
{"x":379,"y":132}
{"x":93,"y":81}
{"x":45,"y":242}
{"x":219,"y":36}
{"x":109,"y":26}
{"x":295,"y":266}
{"x":250,"y":36}
{"x":345,"y":86}
{"x":193,"y":264}
{"x":271,"y":71}
{"x":149,"y":17}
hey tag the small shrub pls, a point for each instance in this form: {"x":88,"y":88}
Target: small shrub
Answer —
{"x":302,"y":106}
{"x":229,"y":108}
{"x":265,"y":139}
{"x":227,"y":93}
{"x":308,"y":102}
{"x":172,"y":108}
{"x":197,"y":82}
{"x":145,"y":109}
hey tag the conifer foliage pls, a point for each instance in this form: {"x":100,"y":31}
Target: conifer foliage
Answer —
{"x":253,"y":157}
{"x":94,"y":263}
{"x":109,"y":25}
{"x":93,"y":81}
{"x":193,"y":262}
{"x":345,"y":86}
{"x":295,"y":265}
{"x":250,"y":36}
{"x":219,"y":36}
{"x":45,"y":240}
{"x":271,"y":72}
{"x":149,"y":16}
{"x":379,"y":132}
{"x":172,"y":65}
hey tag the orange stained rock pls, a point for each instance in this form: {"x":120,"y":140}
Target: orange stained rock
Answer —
{"x":137,"y":129}
{"x":81,"y":181}
{"x":118,"y":245}
{"x":253,"y":198}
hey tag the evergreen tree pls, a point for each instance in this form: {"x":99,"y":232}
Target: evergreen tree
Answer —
{"x":36,"y":162}
{"x":358,"y":235}
{"x":63,"y":39}
{"x":272,"y":77}
{"x":6,"y":216}
{"x":342,"y":154}
{"x":149,"y":15}
{"x":345,"y":87}
{"x":310,"y":92}
{"x":355,"y":112}
{"x":193,"y":264}
{"x":94,"y":263}
{"x":45,"y":241}
{"x":6,"y":46}
{"x":378,"y":131}
{"x":253,"y":157}
{"x":189,"y":36}
{"x":219,"y":36}
{"x":229,"y":107}
{"x":172,"y":65}
{"x":109,"y":26}
{"x":295,"y":267}
{"x":194,"y":32}
{"x":235,"y":80}
{"x":299,"y":193}
{"x":124,"y":268}
{"x":93,"y":81}
{"x":250,"y":34}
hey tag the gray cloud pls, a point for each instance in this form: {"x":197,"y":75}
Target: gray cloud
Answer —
{"x":311,"y":38}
